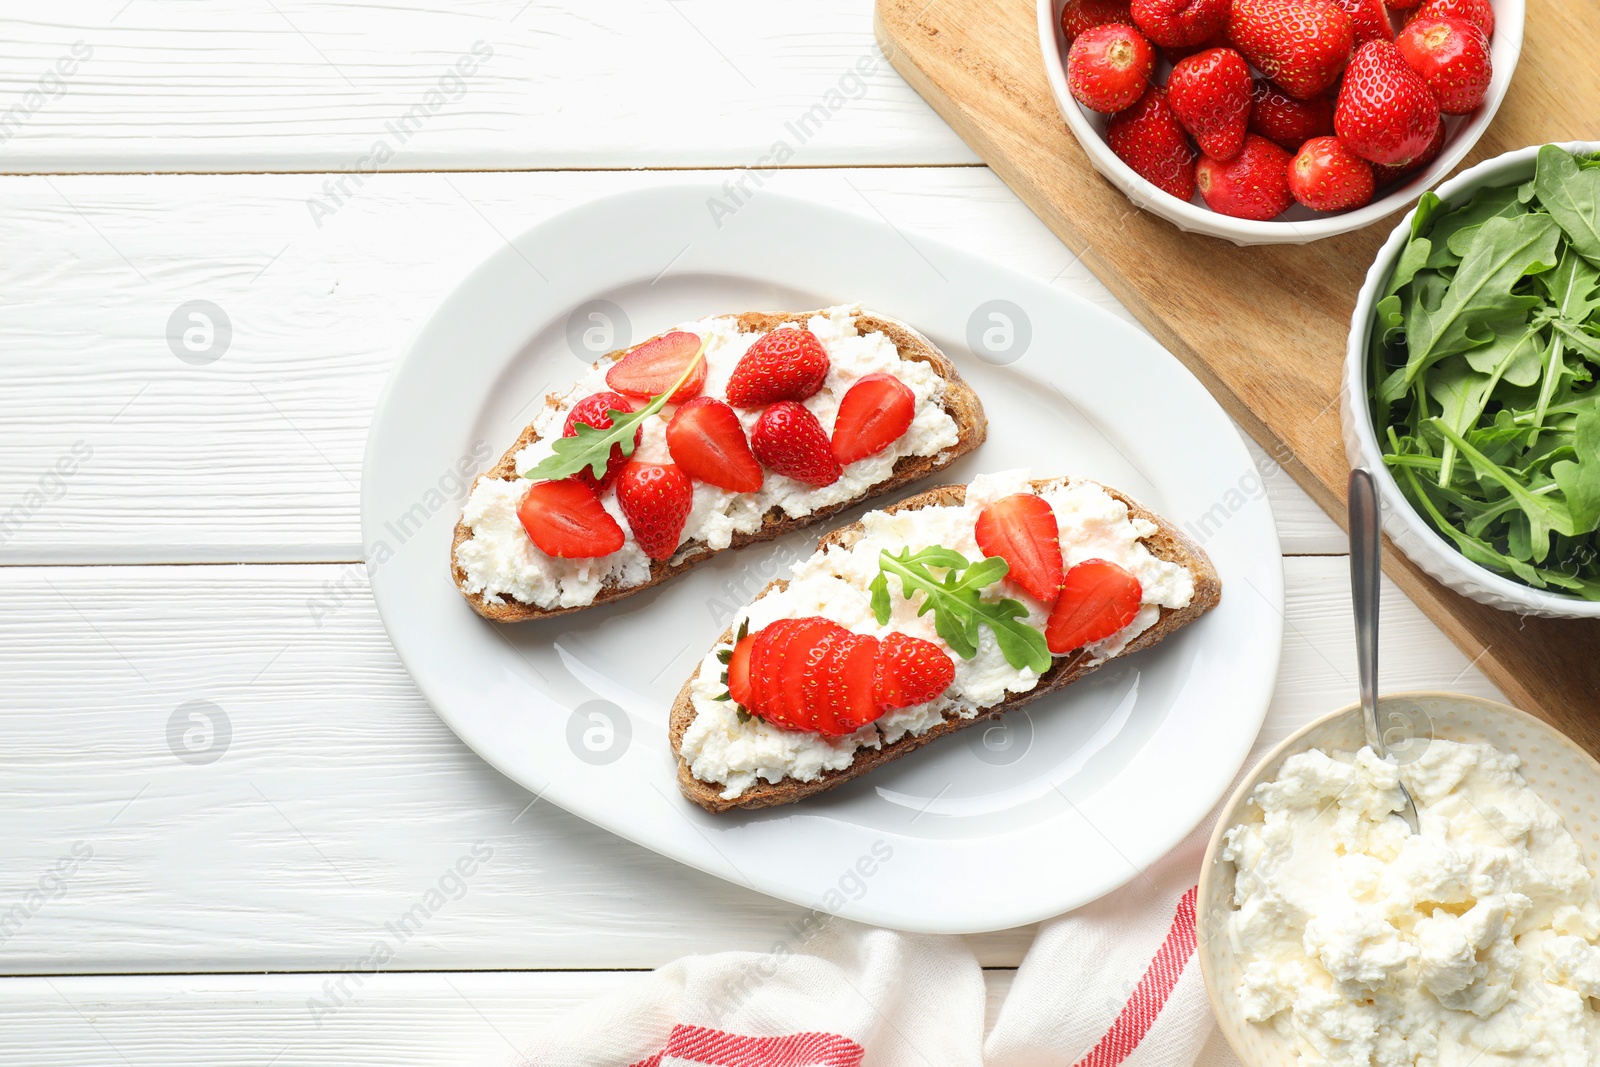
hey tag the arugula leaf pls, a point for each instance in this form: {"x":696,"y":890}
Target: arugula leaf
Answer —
{"x":591,"y":447}
{"x":1462,"y":392}
{"x":1571,"y":194}
{"x":1451,"y":233}
{"x":1503,"y":252}
{"x":1543,"y":513}
{"x":1580,"y":480}
{"x":1516,"y":354}
{"x":957,"y":604}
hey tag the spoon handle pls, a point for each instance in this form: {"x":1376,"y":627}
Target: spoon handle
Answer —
{"x":1365,"y":548}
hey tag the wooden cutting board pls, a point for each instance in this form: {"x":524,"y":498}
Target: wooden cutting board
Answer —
{"x":1263,"y":327}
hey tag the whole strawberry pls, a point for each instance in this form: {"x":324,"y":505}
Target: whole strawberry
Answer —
{"x":1452,"y":55}
{"x":1180,"y":23}
{"x":1386,"y":113}
{"x":1109,"y":66}
{"x":656,"y":499}
{"x":1326,"y":176}
{"x":790,"y":440}
{"x":1253,"y":185}
{"x":1477,"y":12}
{"x":1210,"y":93}
{"x":1300,"y":44}
{"x":1369,"y":19}
{"x":1149,"y":138}
{"x":1384,"y":174}
{"x":1080,"y":15}
{"x":595,"y":410}
{"x":1285,"y":121}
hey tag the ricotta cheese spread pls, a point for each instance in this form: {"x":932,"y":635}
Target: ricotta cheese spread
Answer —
{"x":833,"y":583}
{"x":1472,"y":942}
{"x":499,"y":560}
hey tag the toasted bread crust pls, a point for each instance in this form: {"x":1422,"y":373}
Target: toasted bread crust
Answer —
{"x":1166,"y":543}
{"x":959,"y":400}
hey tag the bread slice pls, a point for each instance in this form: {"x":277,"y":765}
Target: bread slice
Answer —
{"x":1166,"y":543}
{"x":959,"y":400}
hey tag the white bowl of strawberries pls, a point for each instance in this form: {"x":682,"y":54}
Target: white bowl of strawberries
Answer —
{"x":1278,"y":121}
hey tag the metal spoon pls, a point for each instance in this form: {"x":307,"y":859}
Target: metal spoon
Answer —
{"x":1366,"y":547}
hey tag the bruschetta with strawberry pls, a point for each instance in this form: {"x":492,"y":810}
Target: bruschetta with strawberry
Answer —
{"x":946,"y":609}
{"x":719,"y":433}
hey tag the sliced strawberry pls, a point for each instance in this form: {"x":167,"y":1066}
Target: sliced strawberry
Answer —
{"x":656,"y":499}
{"x":787,"y":701}
{"x":651,"y":368}
{"x":789,"y":439}
{"x":1097,"y":599}
{"x":707,"y":440}
{"x":910,"y":671}
{"x":817,"y":669}
{"x":595,"y":410}
{"x":765,"y":656}
{"x":854,"y":701}
{"x":739,"y":687}
{"x":565,"y":519}
{"x":874,"y":414}
{"x":1022,"y":530}
{"x":885,"y":682}
{"x":815,"y":676}
{"x":786,"y":364}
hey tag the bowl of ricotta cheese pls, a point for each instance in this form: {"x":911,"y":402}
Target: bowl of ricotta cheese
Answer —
{"x":1330,"y":934}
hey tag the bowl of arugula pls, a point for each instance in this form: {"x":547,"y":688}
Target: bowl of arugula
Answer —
{"x":1469,"y":385}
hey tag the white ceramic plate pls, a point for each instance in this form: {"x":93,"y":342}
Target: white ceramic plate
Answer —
{"x":988,"y":829}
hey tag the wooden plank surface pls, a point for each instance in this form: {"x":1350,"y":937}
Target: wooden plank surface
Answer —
{"x":335,"y":797}
{"x":1263,"y":327}
{"x":314,"y":85}
{"x":391,"y":1020}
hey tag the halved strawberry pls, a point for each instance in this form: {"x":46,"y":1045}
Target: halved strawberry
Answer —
{"x":707,"y":440}
{"x":595,"y":410}
{"x":565,"y":519}
{"x":910,"y":671}
{"x":656,"y":499}
{"x":651,"y":368}
{"x":786,"y":364}
{"x":739,"y":687}
{"x":1022,"y":530}
{"x":1097,"y":599}
{"x":874,"y":414}
{"x":789,"y":439}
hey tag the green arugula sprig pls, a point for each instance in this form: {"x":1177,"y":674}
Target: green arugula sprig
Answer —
{"x":957,"y":604}
{"x":591,"y":447}
{"x":1484,"y":359}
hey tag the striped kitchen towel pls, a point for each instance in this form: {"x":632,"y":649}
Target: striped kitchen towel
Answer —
{"x":1113,"y":984}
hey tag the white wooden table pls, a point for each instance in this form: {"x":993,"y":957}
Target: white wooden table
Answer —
{"x":182,"y":898}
